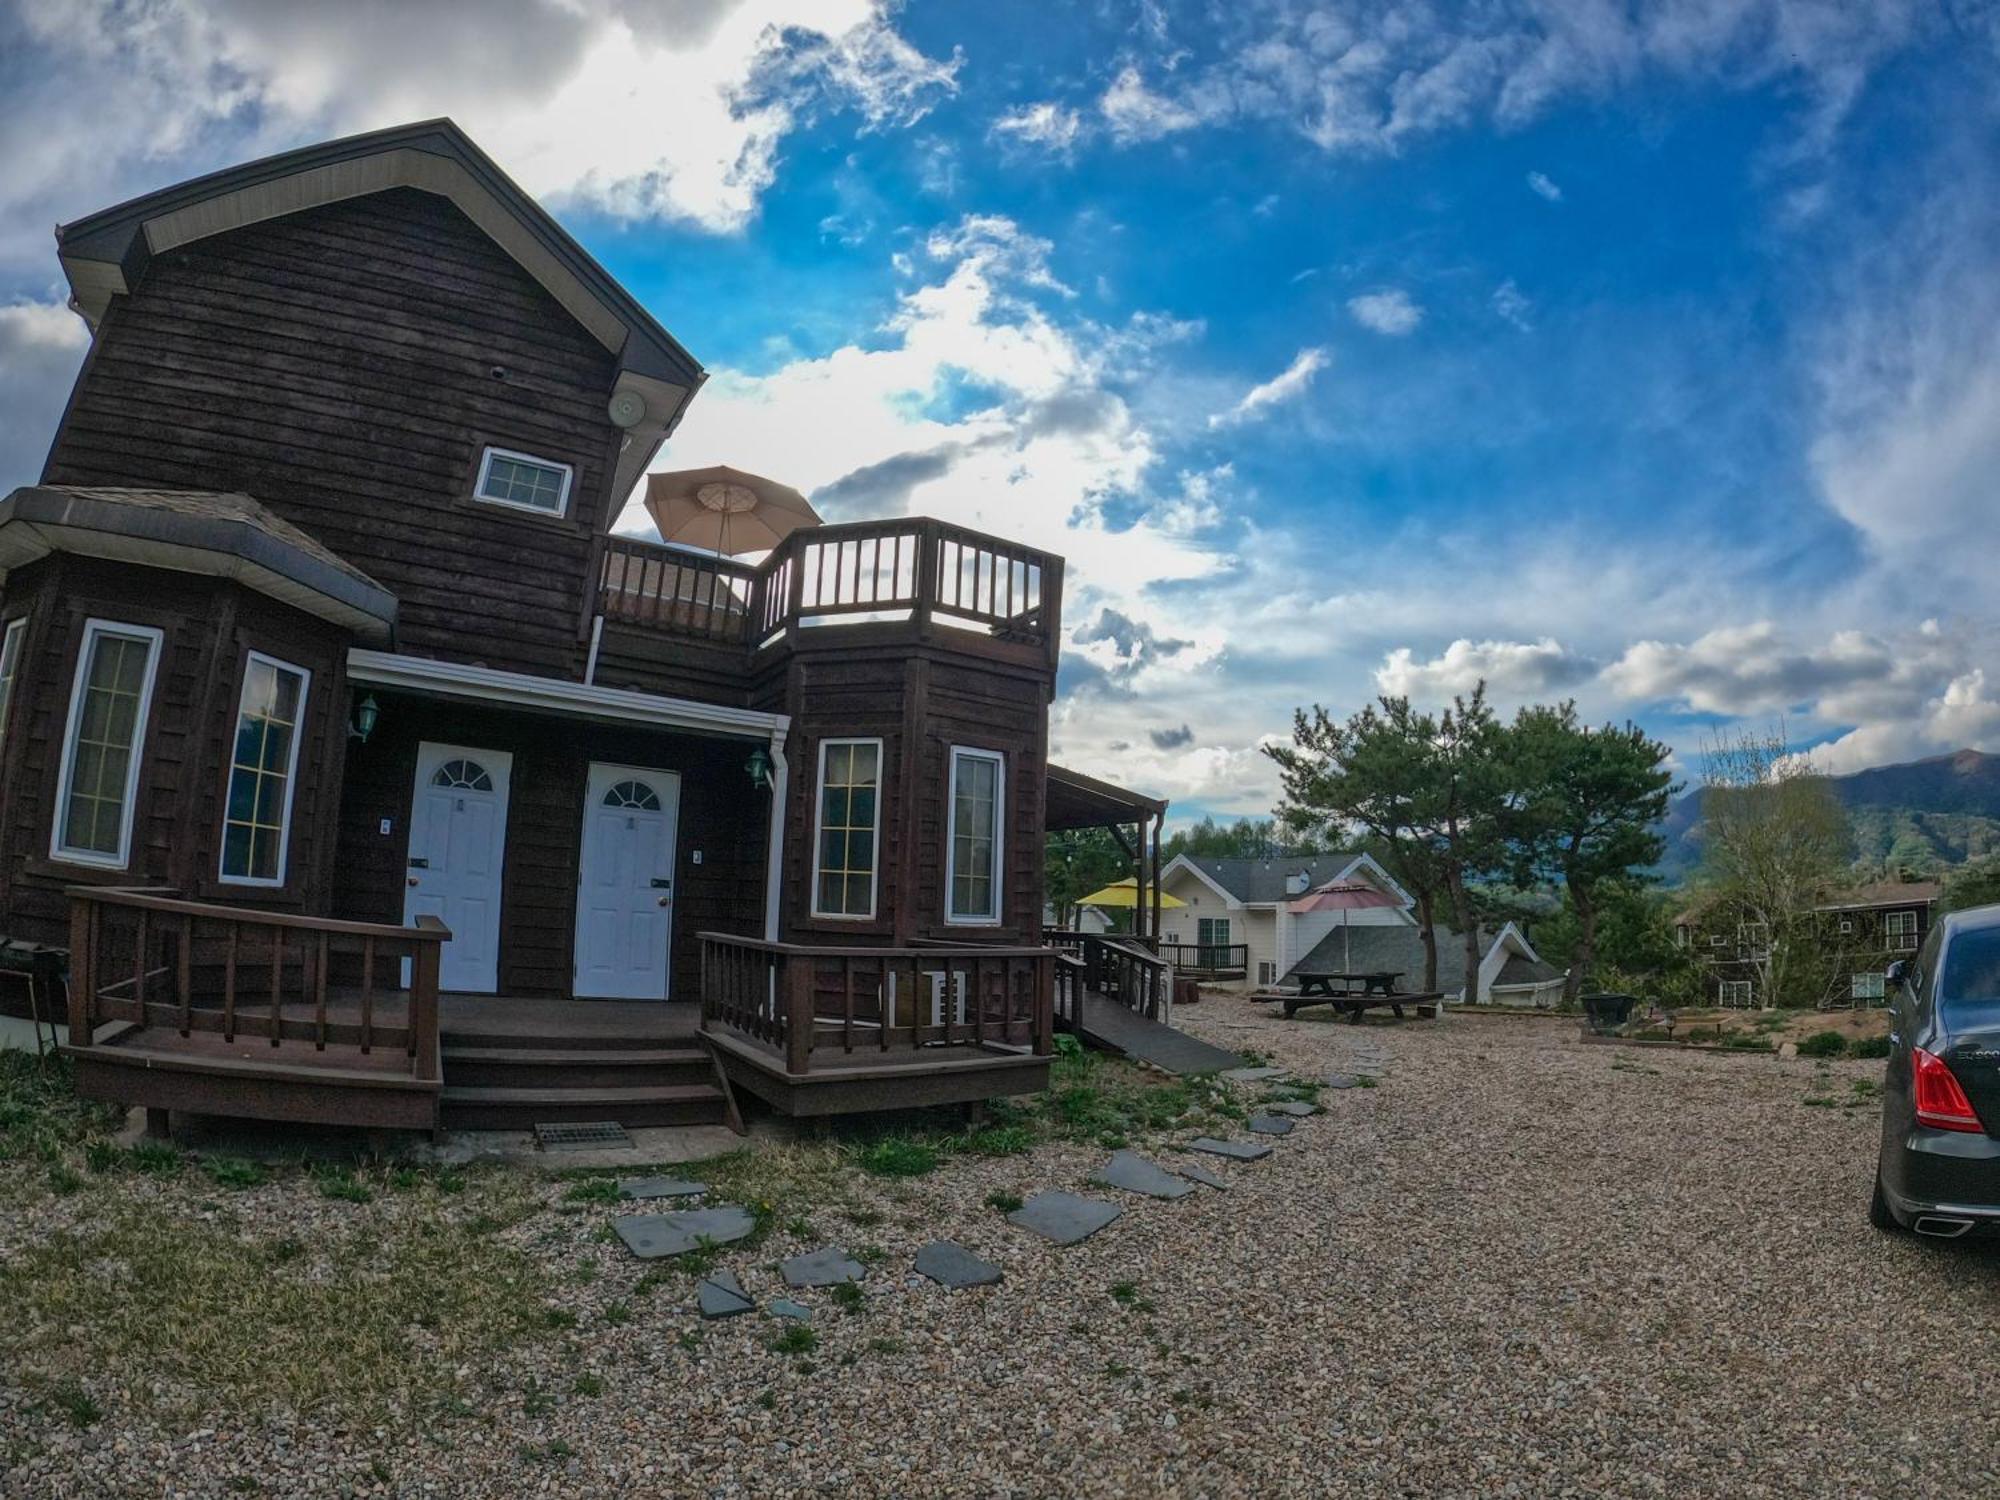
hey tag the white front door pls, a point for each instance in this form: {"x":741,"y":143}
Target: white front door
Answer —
{"x":458,"y":841}
{"x":625,"y":882}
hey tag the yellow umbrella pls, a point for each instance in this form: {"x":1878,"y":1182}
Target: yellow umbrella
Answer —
{"x":1124,"y":893}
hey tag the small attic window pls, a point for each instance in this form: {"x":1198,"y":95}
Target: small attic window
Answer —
{"x":523,"y":481}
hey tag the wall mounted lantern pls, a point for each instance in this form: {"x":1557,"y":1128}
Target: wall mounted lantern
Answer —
{"x":366,"y":712}
{"x":759,"y":767}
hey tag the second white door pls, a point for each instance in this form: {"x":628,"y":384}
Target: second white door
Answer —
{"x":625,"y":883}
{"x":458,"y":846}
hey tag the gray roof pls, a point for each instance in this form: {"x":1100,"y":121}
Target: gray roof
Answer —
{"x":1379,"y":947}
{"x":1262,"y":881}
{"x":1519,"y":970}
{"x":198,"y":531}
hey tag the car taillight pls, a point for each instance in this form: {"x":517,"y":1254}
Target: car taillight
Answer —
{"x":1941,"y":1103}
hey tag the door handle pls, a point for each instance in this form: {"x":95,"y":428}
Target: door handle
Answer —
{"x":413,"y":880}
{"x":664,"y":900}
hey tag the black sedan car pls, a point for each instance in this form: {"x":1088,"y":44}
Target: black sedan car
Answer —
{"x":1939,"y":1172}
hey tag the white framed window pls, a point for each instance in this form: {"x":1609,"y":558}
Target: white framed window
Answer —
{"x":973,"y":845}
{"x":1899,"y":931}
{"x":847,"y":828}
{"x":524,"y":482}
{"x":1866,"y":987}
{"x":1846,"y":926}
{"x":1211,"y":933}
{"x":1735,"y":992}
{"x":263,"y":770}
{"x":104,"y":740}
{"x":10,"y":664}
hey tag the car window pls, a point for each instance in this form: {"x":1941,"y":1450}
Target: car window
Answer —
{"x":1968,"y":989}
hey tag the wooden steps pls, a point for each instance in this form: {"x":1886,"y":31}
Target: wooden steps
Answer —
{"x":634,"y":1107}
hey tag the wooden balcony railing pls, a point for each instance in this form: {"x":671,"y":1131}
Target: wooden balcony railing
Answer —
{"x":918,"y":569}
{"x":1208,"y":958}
{"x":300,"y":983}
{"x":805,"y":1001}
{"x":1123,"y":970}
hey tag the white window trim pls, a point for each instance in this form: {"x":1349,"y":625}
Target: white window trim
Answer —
{"x":952,"y":917}
{"x":250,"y":659}
{"x":128,"y":814}
{"x":14,"y":638}
{"x":819,"y":813}
{"x":486,"y":458}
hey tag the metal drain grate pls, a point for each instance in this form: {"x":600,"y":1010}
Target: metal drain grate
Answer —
{"x":584,"y":1135}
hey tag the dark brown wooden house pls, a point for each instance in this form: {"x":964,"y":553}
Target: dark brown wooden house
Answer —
{"x":346,"y":752}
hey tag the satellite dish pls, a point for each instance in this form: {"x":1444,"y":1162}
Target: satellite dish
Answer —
{"x":627,"y":409}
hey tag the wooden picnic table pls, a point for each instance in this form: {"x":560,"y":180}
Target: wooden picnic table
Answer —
{"x":1357,"y":993}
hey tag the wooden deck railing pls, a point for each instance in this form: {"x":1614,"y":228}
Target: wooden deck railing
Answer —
{"x":1123,"y":970}
{"x":1211,"y":958}
{"x":915,"y":569}
{"x":802,"y":999}
{"x":149,"y":958}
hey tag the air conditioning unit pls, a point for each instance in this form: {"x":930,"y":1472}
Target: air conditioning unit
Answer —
{"x":957,"y":1006}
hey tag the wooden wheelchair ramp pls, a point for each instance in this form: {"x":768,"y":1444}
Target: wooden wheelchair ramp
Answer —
{"x":1112,"y":1027}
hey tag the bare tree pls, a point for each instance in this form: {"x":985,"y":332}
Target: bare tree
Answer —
{"x":1774,"y":839}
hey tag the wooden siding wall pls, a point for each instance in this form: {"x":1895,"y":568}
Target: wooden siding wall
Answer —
{"x":208,"y":627}
{"x":921,"y":703}
{"x":346,"y":366}
{"x":721,"y":815}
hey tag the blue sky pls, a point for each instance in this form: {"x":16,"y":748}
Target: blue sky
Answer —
{"x":1648,"y":355}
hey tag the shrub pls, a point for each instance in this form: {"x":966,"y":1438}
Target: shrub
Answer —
{"x":1823,"y":1044}
{"x":1005,"y":1202}
{"x":1868,"y":1046}
{"x":1003,"y":1140}
{"x":797,"y":1339}
{"x":233,"y":1172}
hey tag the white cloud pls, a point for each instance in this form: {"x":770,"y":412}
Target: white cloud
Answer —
{"x":1288,"y":385}
{"x":41,"y":345}
{"x":1755,"y":669}
{"x":1135,"y":113}
{"x":1513,"y":306}
{"x":1544,"y":186}
{"x":1511,"y":669}
{"x":648,"y":113}
{"x":1390,"y":312}
{"x":1053,"y":127}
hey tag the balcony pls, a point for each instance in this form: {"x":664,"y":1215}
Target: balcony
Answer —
{"x":927,"y":577}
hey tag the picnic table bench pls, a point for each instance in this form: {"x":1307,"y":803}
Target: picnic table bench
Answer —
{"x":1358,"y":993}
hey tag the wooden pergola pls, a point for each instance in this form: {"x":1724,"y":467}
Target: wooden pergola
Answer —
{"x":1075,"y":801}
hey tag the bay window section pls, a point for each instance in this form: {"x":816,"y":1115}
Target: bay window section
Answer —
{"x":103,"y":741}
{"x":10,"y":665}
{"x":847,"y":828}
{"x":972,"y":858}
{"x":257,"y":808}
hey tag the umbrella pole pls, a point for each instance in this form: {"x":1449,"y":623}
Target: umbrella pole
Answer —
{"x":1346,"y":944}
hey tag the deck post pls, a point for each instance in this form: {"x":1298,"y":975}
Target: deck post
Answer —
{"x":1045,"y":1005}
{"x":424,"y":1003}
{"x":82,"y":963}
{"x":797,"y":987}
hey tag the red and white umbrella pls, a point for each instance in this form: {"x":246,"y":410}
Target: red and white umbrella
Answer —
{"x":1342,"y":896}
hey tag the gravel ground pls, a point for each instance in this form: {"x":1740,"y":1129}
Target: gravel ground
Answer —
{"x":1520,"y":1266}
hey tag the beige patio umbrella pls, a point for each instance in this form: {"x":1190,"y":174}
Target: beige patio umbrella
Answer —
{"x":1342,"y":896}
{"x":725,"y":510}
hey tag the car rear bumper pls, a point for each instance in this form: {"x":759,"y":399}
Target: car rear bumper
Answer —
{"x":1945,"y":1183}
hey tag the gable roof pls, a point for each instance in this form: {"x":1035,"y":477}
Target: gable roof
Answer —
{"x":1400,"y":947}
{"x":105,"y":254}
{"x":1261,"y":882}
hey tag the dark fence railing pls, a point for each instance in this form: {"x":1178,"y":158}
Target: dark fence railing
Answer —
{"x":803,"y":1000}
{"x":915,"y":569}
{"x":298,"y":982}
{"x":1129,"y":973}
{"x":1209,"y":958}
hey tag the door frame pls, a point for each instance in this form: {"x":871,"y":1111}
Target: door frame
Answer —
{"x":499,"y":764}
{"x":671,"y":803}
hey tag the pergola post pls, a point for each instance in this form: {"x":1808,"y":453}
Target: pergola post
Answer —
{"x":1159,"y":827}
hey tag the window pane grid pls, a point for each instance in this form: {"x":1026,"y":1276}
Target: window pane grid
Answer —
{"x":849,"y":789}
{"x":523,"y":481}
{"x":974,"y":836}
{"x":107,"y":725}
{"x":260,"y":773}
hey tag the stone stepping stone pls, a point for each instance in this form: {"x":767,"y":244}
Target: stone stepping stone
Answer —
{"x":1272,"y":1125}
{"x":651,"y":1236}
{"x":955,"y":1266}
{"x":828,"y":1267}
{"x":1065,"y":1218}
{"x":1132,"y":1172}
{"x":1234,"y":1150}
{"x":722,"y":1296}
{"x":1342,"y":1081}
{"x":659,"y":1187}
{"x":1201,"y":1175}
{"x":785,"y":1307}
{"x":1298,"y":1109}
{"x":1251,"y":1075}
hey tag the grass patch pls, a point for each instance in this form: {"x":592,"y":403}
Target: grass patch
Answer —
{"x":1868,"y":1046}
{"x":847,"y":1296}
{"x":796,"y":1339}
{"x":1003,"y":1201}
{"x":41,"y":1116}
{"x":347,"y":1187}
{"x":234,"y":1172}
{"x":593,"y":1190}
{"x":587,"y":1385}
{"x":1823,"y":1044}
{"x":899,"y":1156}
{"x":217,"y":1318}
{"x":1001,"y":1140}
